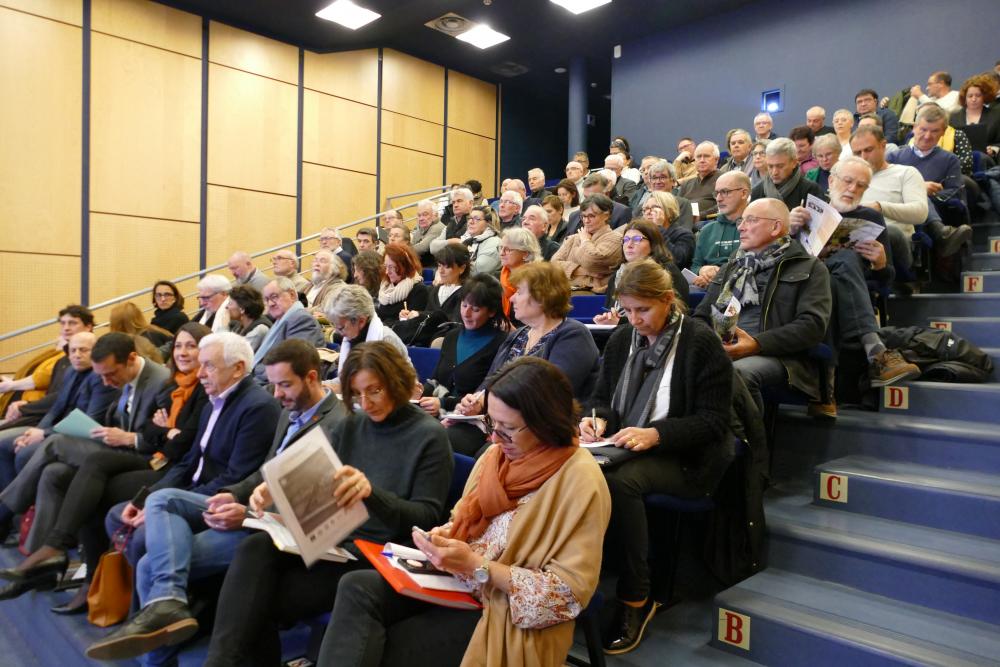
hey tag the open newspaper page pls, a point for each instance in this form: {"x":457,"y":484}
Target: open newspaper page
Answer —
{"x":301,"y":482}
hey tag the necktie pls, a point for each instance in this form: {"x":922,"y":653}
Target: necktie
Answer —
{"x":124,"y":417}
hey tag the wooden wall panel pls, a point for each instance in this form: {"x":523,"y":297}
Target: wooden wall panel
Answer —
{"x":407,"y":132}
{"x":149,"y":23}
{"x":145,"y":131}
{"x":471,"y":156}
{"x":252,"y":53}
{"x":404,"y":170}
{"x":62,"y":286}
{"x":352,"y":75}
{"x":413,"y":87}
{"x":245,"y":220}
{"x":67,"y":11}
{"x":333,"y":197}
{"x":338,"y":132}
{"x":472,"y":105}
{"x":40,"y":138}
{"x":251,"y":131}
{"x":128,"y":254}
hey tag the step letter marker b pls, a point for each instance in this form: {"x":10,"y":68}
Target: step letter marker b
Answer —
{"x":833,"y":487}
{"x":897,"y":398}
{"x":972,"y":282}
{"x":734,"y":629}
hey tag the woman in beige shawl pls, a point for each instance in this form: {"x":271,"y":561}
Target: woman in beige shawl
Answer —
{"x":527,"y":535}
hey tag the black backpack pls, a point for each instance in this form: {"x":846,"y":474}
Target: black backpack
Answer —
{"x":941,"y":355}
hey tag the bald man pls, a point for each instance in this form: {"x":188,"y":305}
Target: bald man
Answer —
{"x":244,"y":271}
{"x":816,"y":120}
{"x":778,"y":320}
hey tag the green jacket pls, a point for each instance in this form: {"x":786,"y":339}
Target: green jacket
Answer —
{"x":717,"y":241}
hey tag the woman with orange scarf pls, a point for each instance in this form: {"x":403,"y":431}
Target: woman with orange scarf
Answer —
{"x":517,"y":248}
{"x":110,"y":476}
{"x":526,"y":536}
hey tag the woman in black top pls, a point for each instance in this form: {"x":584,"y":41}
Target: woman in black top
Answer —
{"x":445,"y":302}
{"x":169,"y":304}
{"x":403,"y":287}
{"x":976,"y":93}
{"x":246,"y":315}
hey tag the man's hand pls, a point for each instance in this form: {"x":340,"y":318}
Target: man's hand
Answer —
{"x":706,"y":274}
{"x":745,"y":346}
{"x":32,"y":436}
{"x":874,"y":205}
{"x":591,"y":430}
{"x":916,"y":92}
{"x":224,"y":513}
{"x":14,"y":411}
{"x":933,"y":188}
{"x":133,"y":516}
{"x":113,"y":437}
{"x":161,"y":418}
{"x":798,"y":218}
{"x":874,"y":252}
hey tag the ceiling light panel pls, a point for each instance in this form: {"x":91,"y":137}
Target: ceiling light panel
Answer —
{"x":347,"y":14}
{"x":580,"y":6}
{"x":483,"y":36}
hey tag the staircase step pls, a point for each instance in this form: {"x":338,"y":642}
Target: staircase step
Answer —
{"x":983,"y":331}
{"x":920,"y":307}
{"x":891,"y":435}
{"x":975,"y":402}
{"x":981,"y":281}
{"x":789,"y":619}
{"x":994,"y":354}
{"x":982,"y":233}
{"x":958,"y":500}
{"x":983,"y":261}
{"x":951,"y":572}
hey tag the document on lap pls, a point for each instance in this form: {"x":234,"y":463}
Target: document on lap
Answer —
{"x":283,"y":540}
{"x":599,"y":443}
{"x":301,"y":482}
{"x":454,"y":416}
{"x":77,"y":424}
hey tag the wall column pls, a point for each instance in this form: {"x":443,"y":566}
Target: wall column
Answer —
{"x":577,"y":107}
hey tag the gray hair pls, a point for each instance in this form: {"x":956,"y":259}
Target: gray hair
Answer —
{"x":615,"y":157}
{"x":339,"y":268}
{"x":931,"y":113}
{"x":464,"y":193}
{"x":733,"y":133}
{"x":536,"y":170}
{"x":829,"y":141}
{"x":763,"y":114}
{"x":610,"y":176}
{"x":519,"y":238}
{"x":429,"y":204}
{"x":330,"y":231}
{"x":235,"y":348}
{"x":516,"y":196}
{"x":663,"y":166}
{"x":853,"y":159}
{"x":284,"y":284}
{"x":351,"y":302}
{"x":820,"y":110}
{"x":216,"y":283}
{"x":711,"y":144}
{"x":596,"y":178}
{"x":782,"y":146}
{"x":763,"y":143}
{"x":841,"y":112}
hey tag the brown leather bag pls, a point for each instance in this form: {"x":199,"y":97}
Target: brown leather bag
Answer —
{"x":110,"y":593}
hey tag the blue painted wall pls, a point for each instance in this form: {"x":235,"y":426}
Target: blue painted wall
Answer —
{"x":706,"y":78}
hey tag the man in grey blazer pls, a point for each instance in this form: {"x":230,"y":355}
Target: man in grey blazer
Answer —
{"x":291,"y":320}
{"x":117,"y":363}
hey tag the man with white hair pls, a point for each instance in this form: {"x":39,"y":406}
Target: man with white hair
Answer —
{"x":763,"y":126}
{"x":285,"y":264}
{"x":233,"y":439}
{"x":536,"y":182}
{"x":739,"y":152}
{"x":701,"y":188}
{"x":428,"y":228}
{"x":684,"y":162}
{"x":328,"y":275}
{"x":816,"y":120}
{"x":536,"y":221}
{"x":624,"y":187}
{"x":245,"y":272}
{"x":213,"y":297}
{"x":779,"y":320}
{"x":455,"y":224}
{"x":330,"y":239}
{"x":291,"y":320}
{"x":511,"y":205}
{"x":784,"y":180}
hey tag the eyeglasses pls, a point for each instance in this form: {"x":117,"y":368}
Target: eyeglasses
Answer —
{"x":272,"y":298}
{"x":753,"y":219}
{"x":163,"y":295}
{"x":658,"y":177}
{"x":638,"y":238}
{"x":505,"y":249}
{"x":504,"y":436}
{"x":370,"y":394}
{"x":589,"y":216}
{"x":205,"y":298}
{"x":726,"y":192}
{"x":758,"y":153}
{"x":851,"y":182}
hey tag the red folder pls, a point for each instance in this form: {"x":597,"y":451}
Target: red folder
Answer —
{"x":404,"y":585}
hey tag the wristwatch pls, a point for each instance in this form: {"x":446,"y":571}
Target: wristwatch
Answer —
{"x":482,"y":573}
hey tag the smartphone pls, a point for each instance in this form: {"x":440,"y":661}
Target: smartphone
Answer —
{"x":420,"y":567}
{"x":422,"y":533}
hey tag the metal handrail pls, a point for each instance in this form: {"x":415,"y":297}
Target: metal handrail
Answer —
{"x":201,"y":272}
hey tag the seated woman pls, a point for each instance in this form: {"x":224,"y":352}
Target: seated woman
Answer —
{"x":127,"y":318}
{"x":367,"y":271}
{"x":403,"y":287}
{"x":527,"y":535}
{"x":641,"y":240}
{"x":661,"y":209}
{"x":169,"y":306}
{"x":590,"y":256}
{"x":351,"y":311}
{"x":468,"y":351}
{"x":110,"y":476}
{"x":542,"y":302}
{"x":483,"y":241}
{"x":567,"y":191}
{"x":396,"y":460}
{"x":664,"y":393}
{"x":398,"y":232}
{"x":759,"y":154}
{"x":246,"y":314}
{"x":517,"y":248}
{"x":445,"y":302}
{"x":977,"y":92}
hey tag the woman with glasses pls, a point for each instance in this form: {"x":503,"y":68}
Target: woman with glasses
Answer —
{"x":518,"y":247}
{"x":661,"y":209}
{"x":396,"y":461}
{"x":246,"y":314}
{"x":759,"y":155}
{"x":168,"y":303}
{"x":403,"y":287}
{"x":483,"y":241}
{"x":661,"y":179}
{"x":641,"y":240}
{"x":664,"y":395}
{"x":591,"y":255}
{"x":526,"y":536}
{"x":569,"y":194}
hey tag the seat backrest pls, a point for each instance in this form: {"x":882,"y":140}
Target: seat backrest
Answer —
{"x":424,"y":360}
{"x":463,"y":468}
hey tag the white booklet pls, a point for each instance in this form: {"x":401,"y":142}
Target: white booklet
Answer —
{"x":433,"y":581}
{"x":300,"y":480}
{"x":823,"y":221}
{"x":282,"y":538}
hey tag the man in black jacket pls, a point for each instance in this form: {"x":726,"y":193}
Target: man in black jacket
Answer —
{"x":785,"y":303}
{"x":784,"y":180}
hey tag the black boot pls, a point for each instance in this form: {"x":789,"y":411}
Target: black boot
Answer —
{"x":628,"y":626}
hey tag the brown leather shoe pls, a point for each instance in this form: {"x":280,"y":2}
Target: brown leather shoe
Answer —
{"x":161,"y":623}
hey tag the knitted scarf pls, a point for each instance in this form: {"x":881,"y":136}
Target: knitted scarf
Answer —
{"x":186,"y":384}
{"x":635,"y":394}
{"x":781,"y":191}
{"x":741,"y":282}
{"x":389,"y":293}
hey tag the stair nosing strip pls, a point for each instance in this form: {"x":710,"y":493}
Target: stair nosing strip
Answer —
{"x":903,"y":479}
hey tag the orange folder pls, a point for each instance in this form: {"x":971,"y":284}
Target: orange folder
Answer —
{"x":404,"y":585}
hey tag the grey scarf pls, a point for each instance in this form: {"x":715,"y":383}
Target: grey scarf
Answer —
{"x":782,"y":191}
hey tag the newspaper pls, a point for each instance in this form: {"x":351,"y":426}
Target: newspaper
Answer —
{"x":300,"y":480}
{"x":724,"y":322}
{"x":829,"y":230}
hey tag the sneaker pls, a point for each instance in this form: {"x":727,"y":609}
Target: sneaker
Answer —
{"x":162,"y":623}
{"x":890,"y":367}
{"x":952,"y":239}
{"x":818,"y":410}
{"x":628,"y":626}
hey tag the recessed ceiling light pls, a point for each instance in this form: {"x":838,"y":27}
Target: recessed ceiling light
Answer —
{"x":347,"y":14}
{"x":580,"y":6}
{"x":483,"y":36}
{"x":560,"y":70}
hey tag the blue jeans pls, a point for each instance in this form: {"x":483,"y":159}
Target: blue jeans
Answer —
{"x":136,"y":546}
{"x":854,"y":312}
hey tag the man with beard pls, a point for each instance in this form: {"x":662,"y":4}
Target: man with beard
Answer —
{"x":328,"y":275}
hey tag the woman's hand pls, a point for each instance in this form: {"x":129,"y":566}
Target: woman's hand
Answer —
{"x":431,"y":405}
{"x":350,"y":486}
{"x":471,"y":404}
{"x":261,"y":499}
{"x":591,"y":430}
{"x":608,"y":317}
{"x":637,"y":439}
{"x":161,"y":418}
{"x":454,"y":556}
{"x":133,"y":516}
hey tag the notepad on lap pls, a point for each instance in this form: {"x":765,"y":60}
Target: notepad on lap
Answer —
{"x":404,"y":582}
{"x":77,"y":424}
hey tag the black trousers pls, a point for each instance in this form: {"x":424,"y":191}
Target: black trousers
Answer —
{"x":372,"y":625}
{"x":629,"y":531}
{"x":265,"y":590}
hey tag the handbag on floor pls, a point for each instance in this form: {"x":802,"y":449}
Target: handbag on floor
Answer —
{"x":24,"y":530}
{"x":110,"y":591}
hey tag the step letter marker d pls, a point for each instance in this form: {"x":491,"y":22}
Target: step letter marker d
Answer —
{"x":995,"y":245}
{"x":940,"y":324}
{"x":972,"y":283}
{"x":734,"y":629}
{"x":833,"y":487}
{"x":897,"y":398}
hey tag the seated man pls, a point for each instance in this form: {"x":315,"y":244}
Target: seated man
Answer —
{"x":763,"y":126}
{"x":510,"y":209}
{"x":291,"y":320}
{"x":684,"y":162}
{"x":826,"y":150}
{"x":866,"y":101}
{"x":285,"y":264}
{"x":330,"y":239}
{"x":938,"y":91}
{"x":850,"y":269}
{"x":456,"y":223}
{"x":784,"y":180}
{"x":536,"y":181}
{"x":624,"y":187}
{"x":720,"y":238}
{"x":701,"y":189}
{"x":535,"y":220}
{"x":803,"y":137}
{"x":213,"y":297}
{"x":328,"y":275}
{"x":191,"y":534}
{"x":739,"y":152}
{"x":779,"y":320}
{"x":245,"y":271}
{"x":116,"y":362}
{"x":366,"y":238}
{"x":816,"y":121}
